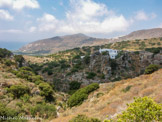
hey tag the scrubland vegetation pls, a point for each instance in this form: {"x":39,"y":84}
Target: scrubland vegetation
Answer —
{"x":29,"y":91}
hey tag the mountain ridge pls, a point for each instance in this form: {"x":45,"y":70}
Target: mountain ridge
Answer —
{"x":61,"y":43}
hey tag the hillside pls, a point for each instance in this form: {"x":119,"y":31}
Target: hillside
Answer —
{"x":143,"y":34}
{"x":111,"y":98}
{"x":46,"y":88}
{"x":62,"y":43}
{"x":86,"y":65}
{"x":24,"y":94}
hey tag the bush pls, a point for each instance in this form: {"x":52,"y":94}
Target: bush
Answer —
{"x":83,"y":118}
{"x":142,"y":110}
{"x":74,"y":85}
{"x":6,"y":112}
{"x":20,"y":59}
{"x":127,"y":88}
{"x":113,"y":64}
{"x":8,"y":62}
{"x":18,"y":90}
{"x":5,"y":53}
{"x":151,"y":68}
{"x":91,"y":75}
{"x":44,"y":110}
{"x":154,"y":50}
{"x":87,"y":59}
{"x":46,"y":90}
{"x":79,"y":96}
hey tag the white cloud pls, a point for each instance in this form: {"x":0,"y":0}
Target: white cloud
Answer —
{"x":32,"y":29}
{"x":19,"y":4}
{"x":11,"y":31}
{"x":141,"y":15}
{"x":85,"y":16}
{"x":47,"y":22}
{"x":5,"y":15}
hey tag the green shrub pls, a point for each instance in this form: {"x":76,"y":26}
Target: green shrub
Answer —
{"x":43,"y":110}
{"x":5,"y":53}
{"x":86,"y":59}
{"x":20,"y":59}
{"x":8,"y":62}
{"x":151,"y":68}
{"x":74,"y":85}
{"x":18,"y":90}
{"x":154,"y":50}
{"x":7,"y":112}
{"x":142,"y":110}
{"x":80,"y":95}
{"x":50,"y":72}
{"x":46,"y":90}
{"x":90,"y":75}
{"x":127,"y":88}
{"x":25,"y":98}
{"x":83,"y":118}
{"x":113,"y":64}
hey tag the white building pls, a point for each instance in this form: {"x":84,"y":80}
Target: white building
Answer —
{"x":112,"y":53}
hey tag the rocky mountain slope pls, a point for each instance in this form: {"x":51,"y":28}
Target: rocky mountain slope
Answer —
{"x":143,"y":34}
{"x":97,"y":67}
{"x":111,"y":98}
{"x":60,"y":43}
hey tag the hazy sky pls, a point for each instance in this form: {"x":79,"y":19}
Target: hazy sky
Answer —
{"x":23,"y":21}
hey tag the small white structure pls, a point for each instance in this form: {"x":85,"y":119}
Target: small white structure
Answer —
{"x":112,"y":53}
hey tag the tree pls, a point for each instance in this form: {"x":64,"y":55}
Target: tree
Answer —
{"x":142,"y":110}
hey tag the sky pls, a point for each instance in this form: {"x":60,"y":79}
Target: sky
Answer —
{"x":25,"y":21}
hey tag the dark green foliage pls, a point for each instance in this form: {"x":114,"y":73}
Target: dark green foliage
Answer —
{"x":154,"y":50}
{"x":127,"y":88}
{"x":90,"y":75}
{"x":77,"y":57}
{"x":79,"y":96}
{"x":20,"y":59}
{"x":45,"y":110}
{"x":46,"y":91}
{"x":151,"y":68}
{"x":28,"y":74}
{"x":8,"y":62}
{"x":120,"y":53}
{"x":18,"y":90}
{"x":83,"y":118}
{"x":73,"y":70}
{"x":74,"y":85}
{"x":142,"y":110}
{"x":113,"y":64}
{"x":5,"y":53}
{"x":86,"y":59}
{"x":50,"y":72}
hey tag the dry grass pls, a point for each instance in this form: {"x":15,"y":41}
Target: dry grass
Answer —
{"x":34,"y":59}
{"x":114,"y":100}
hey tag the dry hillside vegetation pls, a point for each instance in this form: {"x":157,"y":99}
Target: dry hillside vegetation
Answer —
{"x":111,"y":98}
{"x":33,"y":59}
